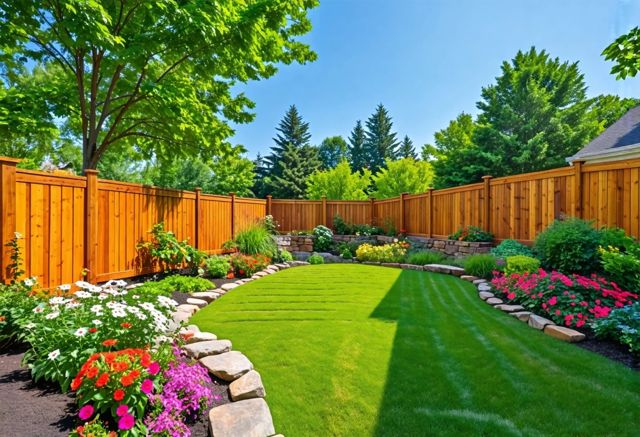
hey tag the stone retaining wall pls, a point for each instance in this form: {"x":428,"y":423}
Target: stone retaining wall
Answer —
{"x":458,"y":249}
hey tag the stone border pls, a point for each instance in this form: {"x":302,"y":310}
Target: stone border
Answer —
{"x":248,"y":412}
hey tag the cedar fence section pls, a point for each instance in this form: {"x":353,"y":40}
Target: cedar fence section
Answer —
{"x":517,"y":207}
{"x":73,"y":223}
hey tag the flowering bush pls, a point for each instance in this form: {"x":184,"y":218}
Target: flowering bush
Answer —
{"x":388,"y":253}
{"x":65,"y":330}
{"x":623,"y":325}
{"x":247,"y":265}
{"x":185,"y":393}
{"x":471,"y":233}
{"x":170,"y":251}
{"x":118,"y":383}
{"x":622,"y":267}
{"x":323,"y":240}
{"x":570,"y":300}
{"x":17,"y":301}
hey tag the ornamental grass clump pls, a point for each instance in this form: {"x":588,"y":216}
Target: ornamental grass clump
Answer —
{"x":570,"y":300}
{"x":256,"y":240}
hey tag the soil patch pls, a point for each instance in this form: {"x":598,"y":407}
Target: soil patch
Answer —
{"x":610,"y":349}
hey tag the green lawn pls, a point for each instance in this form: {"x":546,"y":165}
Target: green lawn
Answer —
{"x":354,"y":350}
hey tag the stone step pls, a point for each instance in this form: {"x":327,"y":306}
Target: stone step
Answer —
{"x":564,"y":334}
{"x":228,"y":366}
{"x":203,"y":349}
{"x":510,"y":308}
{"x":523,"y":316}
{"x":229,"y":286}
{"x":494,"y":301}
{"x":248,"y":418}
{"x":197,"y":302}
{"x":197,"y":337}
{"x":248,"y":386}
{"x":484,"y":295}
{"x":209,"y":296}
{"x":538,"y":322}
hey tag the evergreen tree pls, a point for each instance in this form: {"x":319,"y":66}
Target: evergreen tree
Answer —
{"x":406,"y":148}
{"x":332,"y":151}
{"x":357,"y":152}
{"x":292,"y":129}
{"x":381,"y":142}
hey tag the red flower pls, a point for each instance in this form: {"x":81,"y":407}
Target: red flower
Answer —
{"x":77,"y":381}
{"x":119,"y":366}
{"x":92,"y":372}
{"x":118,"y":395}
{"x":102,"y":380}
{"x":126,"y":325}
{"x":110,"y":342}
{"x":92,"y":330}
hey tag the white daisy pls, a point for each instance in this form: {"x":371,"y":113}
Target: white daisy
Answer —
{"x":28,"y":282}
{"x":65,"y":287}
{"x":73,"y":304}
{"x":84,"y":284}
{"x":83,"y":294}
{"x":96,"y":309}
{"x":80,"y":332}
{"x":54,"y":354}
{"x":58,"y":300}
{"x":38,"y":309}
{"x":52,"y":315}
{"x":96,"y":322}
{"x":118,"y":313}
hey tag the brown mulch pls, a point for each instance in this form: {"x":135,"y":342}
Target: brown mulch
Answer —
{"x":610,"y":349}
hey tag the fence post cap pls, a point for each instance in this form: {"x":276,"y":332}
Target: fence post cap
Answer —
{"x":9,"y":161}
{"x":88,"y":171}
{"x":269,"y":196}
{"x":486,"y":177}
{"x":197,"y":189}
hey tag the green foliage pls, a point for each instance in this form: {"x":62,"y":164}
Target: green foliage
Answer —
{"x":510,"y":248}
{"x":231,"y":174}
{"x":217,"y":266}
{"x":350,"y":247}
{"x":187,"y":284}
{"x":270,"y":224}
{"x":480,"y":265}
{"x":346,"y":253}
{"x":14,"y":269}
{"x":245,"y":266}
{"x":255,"y":240}
{"x":332,"y":151}
{"x":343,"y":228}
{"x":381,"y":143}
{"x":339,"y":183}
{"x":387,"y":253}
{"x":570,"y":246}
{"x":622,"y":325}
{"x":16,"y":308}
{"x":171,"y":252}
{"x":323,"y":240}
{"x":284,"y":256}
{"x":406,"y":149}
{"x":425,"y":257}
{"x":521,"y":264}
{"x":358,"y":157}
{"x":617,"y":238}
{"x":405,"y":175}
{"x":315,"y":259}
{"x":623,"y":268}
{"x":625,"y":53}
{"x":471,"y":233}
{"x":161,"y":75}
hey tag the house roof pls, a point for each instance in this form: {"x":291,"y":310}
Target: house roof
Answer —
{"x":621,"y":134}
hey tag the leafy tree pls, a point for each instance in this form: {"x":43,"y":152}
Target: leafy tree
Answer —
{"x":358,"y":156}
{"x":406,"y":148}
{"x":625,"y":53}
{"x":405,"y":175}
{"x":157,"y":73}
{"x":381,"y":142}
{"x":332,"y":150}
{"x":182,"y":174}
{"x":604,"y":110}
{"x":339,"y":183}
{"x":231,"y":174}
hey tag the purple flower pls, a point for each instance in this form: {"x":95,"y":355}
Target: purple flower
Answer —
{"x":126,"y":422}
{"x":86,"y":412}
{"x":147,"y":386}
{"x":122,"y":410}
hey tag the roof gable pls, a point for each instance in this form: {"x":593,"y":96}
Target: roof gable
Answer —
{"x":622,"y":133}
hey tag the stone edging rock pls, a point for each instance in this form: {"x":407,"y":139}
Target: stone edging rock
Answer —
{"x":248,"y":414}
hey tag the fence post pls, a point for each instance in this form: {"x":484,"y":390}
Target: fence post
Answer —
{"x":91,"y":225}
{"x":372,"y":205}
{"x":8,"y":215}
{"x":577,"y":187}
{"x":402,"y":221}
{"x":198,"y":209}
{"x":233,"y":215}
{"x":324,"y":210}
{"x":430,"y":214}
{"x":486,"y":213}
{"x":269,"y":198}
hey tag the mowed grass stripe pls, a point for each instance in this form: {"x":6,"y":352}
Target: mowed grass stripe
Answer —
{"x":352,"y":350}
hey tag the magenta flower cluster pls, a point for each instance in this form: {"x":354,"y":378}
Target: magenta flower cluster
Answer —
{"x":185,"y":393}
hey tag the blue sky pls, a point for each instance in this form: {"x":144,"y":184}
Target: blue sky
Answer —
{"x":426,"y":60}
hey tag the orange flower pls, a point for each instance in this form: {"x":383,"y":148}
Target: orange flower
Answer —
{"x":102,"y":380}
{"x":92,"y":372}
{"x":126,"y":380}
{"x":118,"y":395}
{"x":126,"y":325}
{"x":2,"y":318}
{"x":77,"y":381}
{"x":119,"y":366}
{"x":92,"y":330}
{"x":110,"y":342}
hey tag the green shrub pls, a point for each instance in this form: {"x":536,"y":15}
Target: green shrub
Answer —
{"x":270,"y":224}
{"x":481,"y":265}
{"x":217,"y":266}
{"x":315,"y":259}
{"x":171,"y":252}
{"x":346,"y":253}
{"x":622,"y":325}
{"x":615,"y":237}
{"x":471,"y":233}
{"x":569,"y":246}
{"x":341,"y":227}
{"x":155,"y":288}
{"x":510,"y":248}
{"x":425,"y":257}
{"x":622,"y":268}
{"x":323,"y":240}
{"x":188,"y":284}
{"x":284,"y":256}
{"x":256,"y":240}
{"x":521,"y":264}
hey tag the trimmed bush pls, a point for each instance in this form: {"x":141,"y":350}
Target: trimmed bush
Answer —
{"x":217,"y":266}
{"x":256,"y":240}
{"x":323,"y":240}
{"x":346,"y":253}
{"x":570,"y":246}
{"x":623,"y":268}
{"x":481,"y":265}
{"x":315,"y":259}
{"x":617,"y":238}
{"x":425,"y":257}
{"x":284,"y":255}
{"x":521,"y":264}
{"x":510,"y":248}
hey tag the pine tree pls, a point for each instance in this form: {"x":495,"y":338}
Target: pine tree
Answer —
{"x":291,"y":129}
{"x":357,"y":152}
{"x":381,"y":142}
{"x":406,"y":148}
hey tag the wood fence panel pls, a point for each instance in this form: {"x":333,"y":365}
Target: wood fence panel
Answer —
{"x":297,"y":215}
{"x":215,"y":229}
{"x":352,"y":212}
{"x":457,"y":207}
{"x":387,"y":213}
{"x":248,"y":212}
{"x":416,"y":212}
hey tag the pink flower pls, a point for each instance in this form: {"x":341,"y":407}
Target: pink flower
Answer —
{"x":86,"y":412}
{"x":122,"y":410}
{"x":147,"y":386}
{"x":126,"y":422}
{"x":154,"y":368}
{"x":553,"y":301}
{"x":511,"y":296}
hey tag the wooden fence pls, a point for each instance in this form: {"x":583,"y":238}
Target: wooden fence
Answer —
{"x":517,"y":207}
{"x":73,"y":223}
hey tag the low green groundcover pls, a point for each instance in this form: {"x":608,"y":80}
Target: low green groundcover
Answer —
{"x":361,"y":350}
